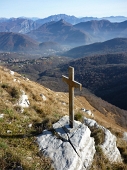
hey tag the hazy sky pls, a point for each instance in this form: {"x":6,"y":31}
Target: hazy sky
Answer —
{"x":78,"y":8}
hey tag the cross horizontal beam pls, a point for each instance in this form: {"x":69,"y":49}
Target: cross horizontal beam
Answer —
{"x":72,"y":83}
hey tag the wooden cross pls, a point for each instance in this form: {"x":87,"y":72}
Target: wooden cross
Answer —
{"x":70,"y":81}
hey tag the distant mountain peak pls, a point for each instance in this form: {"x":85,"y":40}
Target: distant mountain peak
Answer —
{"x":62,"y":21}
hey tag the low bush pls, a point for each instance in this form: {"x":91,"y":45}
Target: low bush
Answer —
{"x":13,"y":91}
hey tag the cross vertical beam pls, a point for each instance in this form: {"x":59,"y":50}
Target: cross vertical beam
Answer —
{"x":71,"y":98}
{"x":70,"y":81}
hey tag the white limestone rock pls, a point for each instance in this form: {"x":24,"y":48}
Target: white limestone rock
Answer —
{"x":12,"y":73}
{"x":109,"y":147}
{"x":23,"y":101}
{"x":27,"y":79}
{"x":70,"y":149}
{"x":9,"y":131}
{"x":30,"y":125}
{"x":15,"y":80}
{"x":63,"y":103}
{"x":1,"y":116}
{"x":125,"y":136}
{"x":90,"y":122}
{"x":43,"y":97}
{"x":88,"y":112}
{"x":61,"y":153}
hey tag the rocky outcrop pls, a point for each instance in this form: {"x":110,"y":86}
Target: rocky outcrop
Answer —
{"x":23,"y":101}
{"x":109,"y":147}
{"x":73,"y":148}
{"x":69,"y":149}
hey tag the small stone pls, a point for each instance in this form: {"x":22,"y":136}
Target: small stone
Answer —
{"x":9,"y":131}
{"x":30,"y":125}
{"x":1,"y":115}
{"x":12,"y":72}
{"x":83,"y":109}
{"x":125,"y":136}
{"x":29,"y":158}
{"x":18,"y":168}
{"x":88,"y":112}
{"x":43,"y":97}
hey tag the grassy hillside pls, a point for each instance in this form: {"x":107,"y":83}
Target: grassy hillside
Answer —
{"x":18,"y":129}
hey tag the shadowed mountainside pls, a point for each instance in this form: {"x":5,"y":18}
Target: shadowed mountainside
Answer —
{"x":61,"y":32}
{"x":104,"y":75}
{"x":103,"y":30}
{"x":65,"y":33}
{"x":115,"y":45}
{"x":16,"y":42}
{"x":79,"y":34}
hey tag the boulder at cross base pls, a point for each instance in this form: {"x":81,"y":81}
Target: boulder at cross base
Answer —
{"x":68,"y":148}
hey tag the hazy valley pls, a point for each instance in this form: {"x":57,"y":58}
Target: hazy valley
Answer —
{"x":99,"y":67}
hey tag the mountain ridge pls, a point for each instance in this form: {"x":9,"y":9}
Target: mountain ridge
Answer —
{"x":10,"y":41}
{"x":24,"y":24}
{"x":70,"y":18}
{"x":61,"y":32}
{"x":103,"y":30}
{"x":22,"y":43}
{"x":115,"y":45}
{"x":17,"y":25}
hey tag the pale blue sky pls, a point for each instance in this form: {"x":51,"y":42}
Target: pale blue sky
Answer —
{"x":78,"y":8}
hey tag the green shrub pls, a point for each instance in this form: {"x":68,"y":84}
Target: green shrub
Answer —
{"x":4,"y":86}
{"x":13,"y":91}
{"x":3,"y":145}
